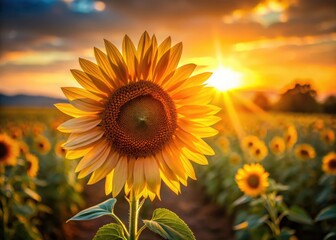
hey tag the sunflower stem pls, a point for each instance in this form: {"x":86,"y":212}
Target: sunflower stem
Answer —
{"x":134,"y":215}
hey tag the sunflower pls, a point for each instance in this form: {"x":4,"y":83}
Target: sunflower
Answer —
{"x":252,"y":179}
{"x":291,"y":136}
{"x":32,"y":165}
{"x":304,"y":152}
{"x":139,"y":118}
{"x":277,"y":145}
{"x":249,"y":141}
{"x":9,"y":150}
{"x":328,"y":136}
{"x":59,"y":150}
{"x":259,"y":151}
{"x":42,"y":145}
{"x":329,"y":163}
{"x":23,"y":147}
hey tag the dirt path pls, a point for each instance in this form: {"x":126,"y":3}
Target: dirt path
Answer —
{"x":205,"y":219}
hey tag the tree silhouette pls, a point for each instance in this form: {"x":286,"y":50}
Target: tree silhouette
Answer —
{"x":300,"y":98}
{"x":262,"y":101}
{"x":329,"y":105}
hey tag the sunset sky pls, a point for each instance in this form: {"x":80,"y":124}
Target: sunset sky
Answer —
{"x":268,"y":43}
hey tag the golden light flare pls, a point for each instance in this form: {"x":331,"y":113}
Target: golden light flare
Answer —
{"x":224,"y":79}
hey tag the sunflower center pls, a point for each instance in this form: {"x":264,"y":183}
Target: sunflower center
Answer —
{"x":253,"y":181}
{"x":3,"y":151}
{"x":139,"y":119}
{"x":257,"y":152}
{"x":332,"y":164}
{"x":304,"y":153}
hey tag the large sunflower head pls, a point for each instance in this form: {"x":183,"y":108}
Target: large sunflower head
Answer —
{"x":252,"y":179}
{"x":139,"y":118}
{"x":329,"y":163}
{"x":9,"y":150}
{"x":304,"y":151}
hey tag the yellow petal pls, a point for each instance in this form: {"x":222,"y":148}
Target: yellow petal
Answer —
{"x":200,"y":130}
{"x":143,"y":45}
{"x":96,"y":76}
{"x":100,"y":150}
{"x":188,"y":167}
{"x":109,"y":183}
{"x":161,"y":67}
{"x":106,"y":168}
{"x":88,"y":105}
{"x":81,"y":124}
{"x":139,"y":176}
{"x":195,"y":144}
{"x":74,"y":154}
{"x":77,"y":140}
{"x":198,"y":79}
{"x":73,"y":93}
{"x":87,"y":83}
{"x":193,"y":111}
{"x":71,"y":110}
{"x":120,"y":175}
{"x":152,"y":174}
{"x":171,"y":157}
{"x":106,"y":68}
{"x":195,"y":157}
{"x":117,"y":62}
{"x":181,"y":74}
{"x":129,"y":54}
{"x":173,"y":185}
{"x":175,"y":56}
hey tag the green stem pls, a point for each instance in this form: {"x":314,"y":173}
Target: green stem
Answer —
{"x":120,"y":223}
{"x":134,"y":215}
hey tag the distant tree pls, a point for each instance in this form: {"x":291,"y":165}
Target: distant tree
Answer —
{"x":300,"y":98}
{"x":329,"y":105}
{"x":262,"y":101}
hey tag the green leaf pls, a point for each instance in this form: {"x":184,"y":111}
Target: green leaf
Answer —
{"x":110,"y":231}
{"x":299,"y":215}
{"x":242,"y":200}
{"x":169,"y":226}
{"x":101,"y":209}
{"x":330,"y":236}
{"x":326,"y":213}
{"x":23,"y":210}
{"x":255,"y":221}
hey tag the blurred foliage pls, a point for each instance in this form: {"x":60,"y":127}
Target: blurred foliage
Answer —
{"x":310,"y":190}
{"x":37,"y":207}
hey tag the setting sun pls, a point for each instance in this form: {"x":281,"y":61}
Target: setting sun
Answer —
{"x":225,"y":79}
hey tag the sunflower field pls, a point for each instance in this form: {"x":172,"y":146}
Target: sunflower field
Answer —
{"x":39,"y":190}
{"x":275,"y":175}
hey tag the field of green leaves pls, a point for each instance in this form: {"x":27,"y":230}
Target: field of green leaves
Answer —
{"x":298,"y":153}
{"x":39,"y":190}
